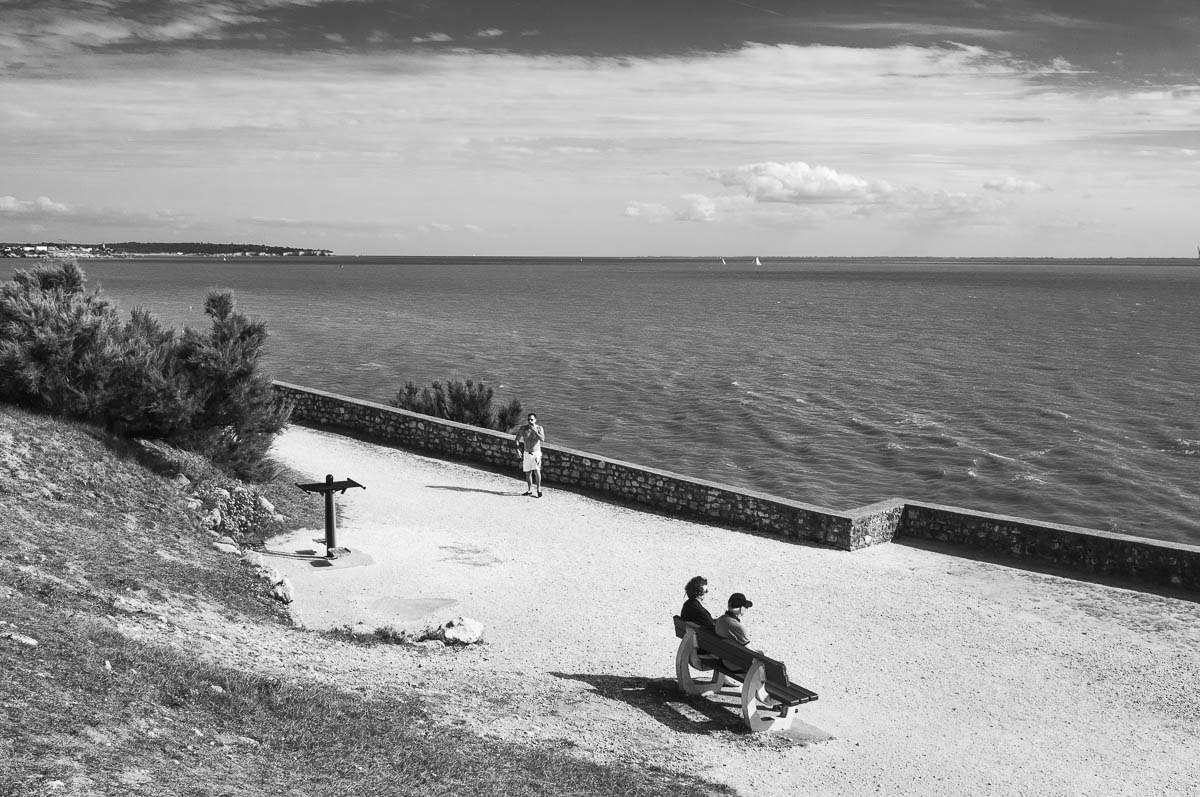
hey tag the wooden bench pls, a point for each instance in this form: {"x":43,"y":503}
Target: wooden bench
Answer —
{"x":769,"y":699}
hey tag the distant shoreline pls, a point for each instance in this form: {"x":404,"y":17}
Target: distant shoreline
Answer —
{"x":10,"y":251}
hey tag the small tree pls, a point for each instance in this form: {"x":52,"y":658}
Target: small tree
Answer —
{"x":148,"y":395}
{"x":56,"y":341}
{"x":466,"y":402}
{"x":508,"y":416}
{"x":238,"y":414}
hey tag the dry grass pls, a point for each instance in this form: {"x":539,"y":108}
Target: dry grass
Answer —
{"x":89,"y":711}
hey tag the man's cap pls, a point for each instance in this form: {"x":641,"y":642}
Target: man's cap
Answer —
{"x":738,"y":599}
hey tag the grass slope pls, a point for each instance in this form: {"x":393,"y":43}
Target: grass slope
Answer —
{"x":90,"y":711}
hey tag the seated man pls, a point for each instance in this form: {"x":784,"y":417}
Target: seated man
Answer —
{"x":729,"y":625}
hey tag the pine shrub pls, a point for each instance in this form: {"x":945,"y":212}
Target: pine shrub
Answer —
{"x":63,"y":349}
{"x":56,"y":342}
{"x":466,"y":402}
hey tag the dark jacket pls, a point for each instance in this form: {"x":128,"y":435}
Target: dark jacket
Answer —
{"x":693,"y":611}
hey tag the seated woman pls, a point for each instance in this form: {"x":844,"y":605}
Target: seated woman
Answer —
{"x":693,"y":610}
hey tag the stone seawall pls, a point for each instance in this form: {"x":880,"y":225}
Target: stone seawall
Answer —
{"x":1069,"y":547}
{"x":1084,"y":550}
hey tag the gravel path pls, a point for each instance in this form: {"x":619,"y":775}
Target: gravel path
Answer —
{"x":937,"y":675}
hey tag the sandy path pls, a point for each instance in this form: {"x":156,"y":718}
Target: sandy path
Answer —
{"x":936,"y":675}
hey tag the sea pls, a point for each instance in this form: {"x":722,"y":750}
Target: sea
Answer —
{"x":1055,"y":390}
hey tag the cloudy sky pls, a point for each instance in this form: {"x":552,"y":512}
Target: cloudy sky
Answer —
{"x":606,"y":127}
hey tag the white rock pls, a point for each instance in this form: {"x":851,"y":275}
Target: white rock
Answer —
{"x":265,"y":504}
{"x":21,"y":639}
{"x":225,"y":547}
{"x":462,"y":631}
{"x":283,"y":591}
{"x":181,"y":481}
{"x":194,"y":504}
{"x":253,"y":559}
{"x":228,"y":540}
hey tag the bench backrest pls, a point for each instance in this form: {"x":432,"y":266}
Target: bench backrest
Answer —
{"x":732,"y":652}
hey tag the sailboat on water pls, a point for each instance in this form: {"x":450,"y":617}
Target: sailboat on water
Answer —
{"x":757,"y":261}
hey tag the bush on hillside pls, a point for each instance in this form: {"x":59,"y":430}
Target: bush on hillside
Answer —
{"x":64,"y":349}
{"x":238,"y":414}
{"x":466,"y":402}
{"x":57,"y":342}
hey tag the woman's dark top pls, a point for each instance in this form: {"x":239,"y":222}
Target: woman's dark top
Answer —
{"x":693,"y":611}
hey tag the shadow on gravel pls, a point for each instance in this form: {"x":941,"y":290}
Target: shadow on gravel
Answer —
{"x":661,"y":699}
{"x":1041,"y":568}
{"x":473,"y":489}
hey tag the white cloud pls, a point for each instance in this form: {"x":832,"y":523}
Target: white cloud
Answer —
{"x":797,"y":182}
{"x":652,"y":212}
{"x":699,"y":208}
{"x":48,"y":211}
{"x":489,"y":33}
{"x":1014,"y":185}
{"x":283,"y":222}
{"x":796,"y":193}
{"x":432,"y":37}
{"x":919,"y":29}
{"x":42,"y":206}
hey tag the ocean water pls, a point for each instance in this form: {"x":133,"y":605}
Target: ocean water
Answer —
{"x":1056,"y":390}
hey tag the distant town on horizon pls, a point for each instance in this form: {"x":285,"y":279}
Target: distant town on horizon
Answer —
{"x":146,"y":248}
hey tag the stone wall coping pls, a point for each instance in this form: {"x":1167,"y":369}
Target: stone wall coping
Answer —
{"x":1083,"y":531}
{"x":886,"y":505}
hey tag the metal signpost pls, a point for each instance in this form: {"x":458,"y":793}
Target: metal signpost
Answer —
{"x":328,"y":488}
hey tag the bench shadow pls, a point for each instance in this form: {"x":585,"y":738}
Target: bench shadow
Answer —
{"x":471,"y":489}
{"x":661,"y":699}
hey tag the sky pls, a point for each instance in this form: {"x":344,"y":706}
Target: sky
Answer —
{"x":1006,"y":128}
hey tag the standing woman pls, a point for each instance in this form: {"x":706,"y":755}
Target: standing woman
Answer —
{"x":693,"y":610}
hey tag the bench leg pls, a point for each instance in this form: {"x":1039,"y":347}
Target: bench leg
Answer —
{"x":685,"y":658}
{"x":757,"y":711}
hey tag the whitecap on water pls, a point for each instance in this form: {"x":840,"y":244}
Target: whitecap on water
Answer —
{"x":1183,"y":448}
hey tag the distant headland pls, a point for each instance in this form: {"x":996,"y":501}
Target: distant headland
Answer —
{"x":153,"y":248}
